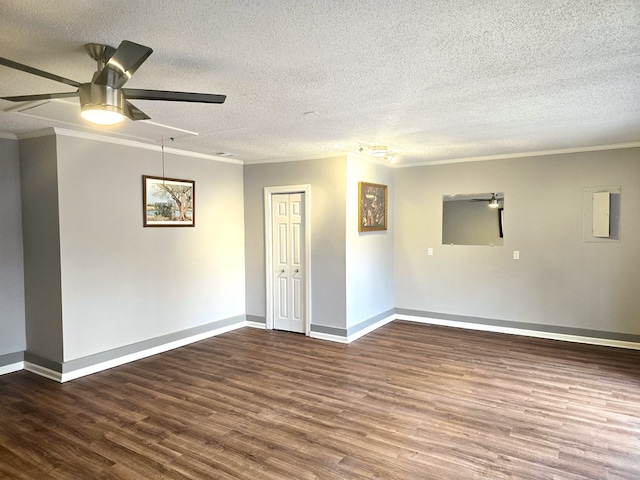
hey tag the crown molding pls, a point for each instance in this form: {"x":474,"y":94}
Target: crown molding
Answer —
{"x":485,"y":158}
{"x":368,"y":158}
{"x":539,"y":153}
{"x":321,"y":156}
{"x":147,"y":146}
{"x":45,"y":132}
{"x":125,"y":142}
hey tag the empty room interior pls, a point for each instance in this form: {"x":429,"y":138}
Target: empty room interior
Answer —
{"x":320,"y":240}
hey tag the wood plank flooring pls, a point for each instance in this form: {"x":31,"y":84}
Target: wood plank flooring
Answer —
{"x":408,"y":401}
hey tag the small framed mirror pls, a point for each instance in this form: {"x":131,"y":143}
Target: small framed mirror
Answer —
{"x":473,"y":219}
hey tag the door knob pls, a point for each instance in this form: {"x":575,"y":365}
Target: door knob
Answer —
{"x":282,"y":271}
{"x":297,"y":270}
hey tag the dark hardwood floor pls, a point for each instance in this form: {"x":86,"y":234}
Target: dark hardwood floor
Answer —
{"x":408,"y":401}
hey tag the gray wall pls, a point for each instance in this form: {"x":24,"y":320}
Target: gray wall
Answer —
{"x":369,"y":255}
{"x":43,"y":291}
{"x":95,"y":279}
{"x":559,"y":280}
{"x":123,"y":283}
{"x":327,"y":180}
{"x":12,"y":328}
{"x":87,"y":255}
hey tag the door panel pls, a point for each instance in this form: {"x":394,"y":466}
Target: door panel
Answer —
{"x":288,"y":258}
{"x":283,"y":304}
{"x":283,"y":253}
{"x":297,"y":304}
{"x":295,"y":244}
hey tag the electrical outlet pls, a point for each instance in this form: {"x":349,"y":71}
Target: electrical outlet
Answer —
{"x":429,"y":251}
{"x":516,"y":254}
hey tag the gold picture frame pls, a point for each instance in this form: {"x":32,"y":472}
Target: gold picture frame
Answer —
{"x":372,"y":207}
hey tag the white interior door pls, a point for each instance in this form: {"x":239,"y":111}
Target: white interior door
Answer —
{"x":288,"y":262}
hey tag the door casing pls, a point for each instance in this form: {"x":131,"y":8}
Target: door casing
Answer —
{"x":268,"y":241}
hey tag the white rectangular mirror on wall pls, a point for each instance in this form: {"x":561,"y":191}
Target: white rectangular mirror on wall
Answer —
{"x":473,"y":219}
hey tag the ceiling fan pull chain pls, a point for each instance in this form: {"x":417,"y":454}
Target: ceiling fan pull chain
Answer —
{"x":162,"y":140}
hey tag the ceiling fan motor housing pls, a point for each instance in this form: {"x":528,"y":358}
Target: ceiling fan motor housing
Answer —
{"x":101,"y":97}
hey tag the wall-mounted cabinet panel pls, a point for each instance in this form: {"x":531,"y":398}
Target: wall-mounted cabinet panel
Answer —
{"x":601,"y":214}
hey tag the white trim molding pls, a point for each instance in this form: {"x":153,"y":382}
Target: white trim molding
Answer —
{"x":80,"y":372}
{"x":484,"y":327}
{"x":125,"y":142}
{"x":505,"y":156}
{"x":98,"y":367}
{"x":268,"y":240}
{"x":65,"y":377}
{"x":14,"y":367}
{"x":43,"y":371}
{"x":258,"y":325}
{"x":329,"y":337}
{"x":370,"y":328}
{"x":524,"y":332}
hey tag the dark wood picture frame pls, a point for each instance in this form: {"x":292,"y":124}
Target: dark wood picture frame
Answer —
{"x":372,"y":207}
{"x":168,"y":202}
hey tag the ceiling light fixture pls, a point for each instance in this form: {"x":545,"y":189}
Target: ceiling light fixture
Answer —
{"x":378,"y":151}
{"x":102,"y":117}
{"x":494,"y":201}
{"x":101,"y":104}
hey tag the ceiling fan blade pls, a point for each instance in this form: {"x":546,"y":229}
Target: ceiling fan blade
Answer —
{"x":170,"y":96}
{"x":43,"y":96}
{"x":134,"y":113}
{"x":123,"y":63}
{"x":34,"y":71}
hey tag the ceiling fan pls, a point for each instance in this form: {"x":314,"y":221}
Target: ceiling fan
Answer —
{"x":103,"y":100}
{"x":493,"y":201}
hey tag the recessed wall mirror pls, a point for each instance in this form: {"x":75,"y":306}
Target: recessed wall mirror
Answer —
{"x":473,"y":219}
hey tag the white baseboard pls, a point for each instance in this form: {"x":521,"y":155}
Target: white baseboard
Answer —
{"x":98,"y":367}
{"x":355,"y":336}
{"x":43,"y":372}
{"x":371,"y":328}
{"x":518,"y":331}
{"x":329,"y":337}
{"x":14,"y":367}
{"x":65,"y":377}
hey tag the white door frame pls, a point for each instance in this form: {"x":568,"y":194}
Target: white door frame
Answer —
{"x":268,"y":241}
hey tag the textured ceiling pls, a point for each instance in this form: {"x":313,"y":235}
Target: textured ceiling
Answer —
{"x":433,"y":80}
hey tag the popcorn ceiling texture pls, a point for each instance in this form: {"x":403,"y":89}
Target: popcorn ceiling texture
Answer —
{"x":434,"y":80}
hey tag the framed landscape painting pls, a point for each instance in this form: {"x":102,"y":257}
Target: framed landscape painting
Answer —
{"x":372,"y":207}
{"x":168,"y":202}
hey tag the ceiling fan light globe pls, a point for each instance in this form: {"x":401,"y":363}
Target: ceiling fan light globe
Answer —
{"x":102,"y":117}
{"x":101,"y":104}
